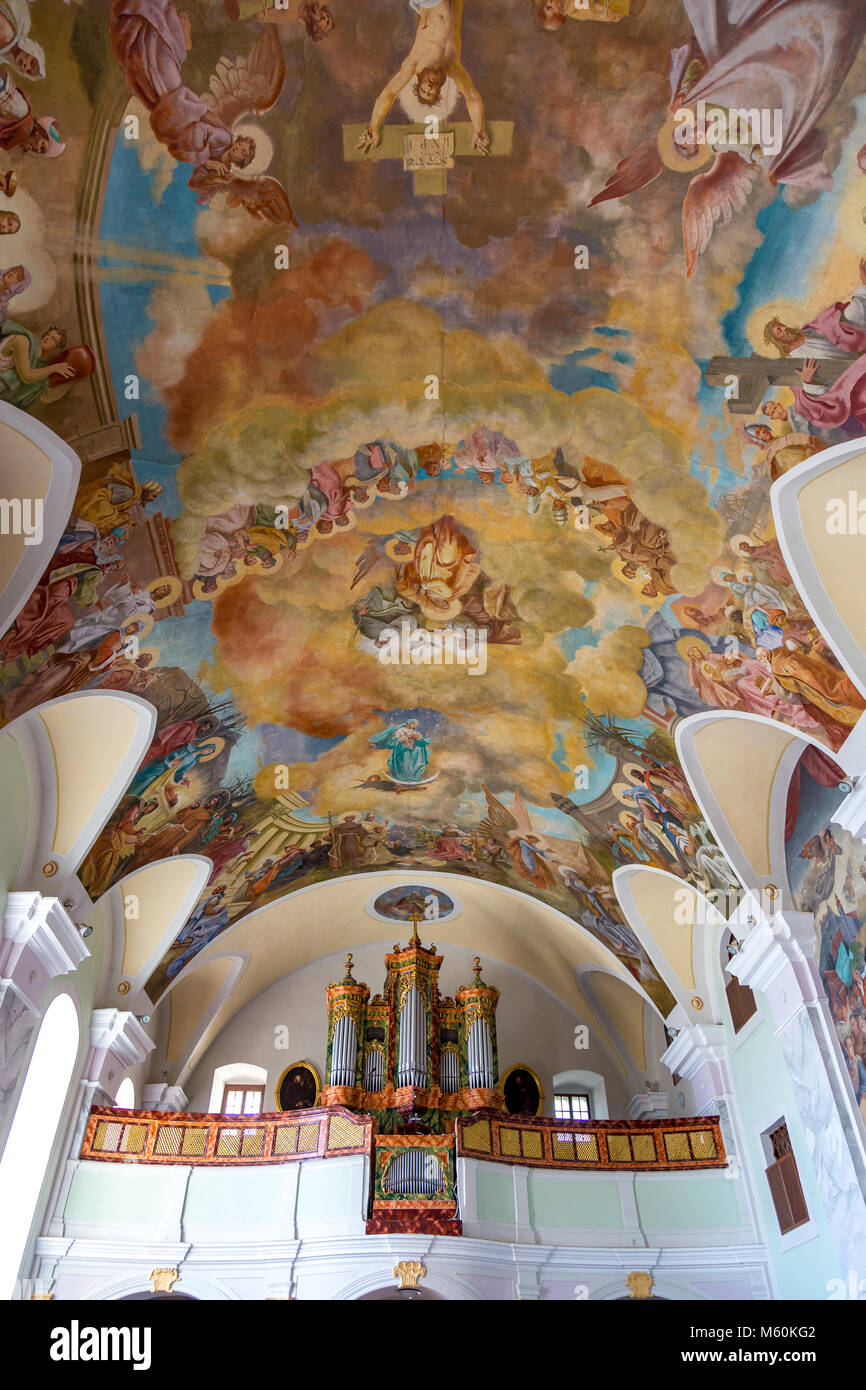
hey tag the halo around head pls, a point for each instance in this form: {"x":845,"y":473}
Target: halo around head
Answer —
{"x":673,"y":156}
{"x":263,"y":143}
{"x":219,"y":744}
{"x":418,"y":110}
{"x":169,"y":581}
{"x":685,"y":642}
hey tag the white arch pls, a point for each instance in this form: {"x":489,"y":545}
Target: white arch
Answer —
{"x":448,"y":1286}
{"x":57,"y":500}
{"x":801,"y":526}
{"x":199,"y":1036}
{"x":591,"y":1081}
{"x":192,"y":1284}
{"x":635,"y":1074}
{"x":706,"y":929}
{"x":773,"y":796}
{"x":237,"y":1074}
{"x":125,"y":1096}
{"x":28,"y":1150}
{"x":50,"y":779}
{"x":223,"y":943}
{"x":165,"y":903}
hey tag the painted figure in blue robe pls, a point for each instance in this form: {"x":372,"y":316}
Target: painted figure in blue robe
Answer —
{"x":177,"y":763}
{"x":409,"y":755}
{"x":205,"y":923}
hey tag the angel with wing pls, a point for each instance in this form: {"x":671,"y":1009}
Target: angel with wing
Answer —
{"x":512,"y":830}
{"x":150,"y":40}
{"x":799,"y":51}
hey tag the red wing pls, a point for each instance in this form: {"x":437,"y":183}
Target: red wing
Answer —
{"x":718,"y":193}
{"x":635,"y":171}
{"x":263,"y":198}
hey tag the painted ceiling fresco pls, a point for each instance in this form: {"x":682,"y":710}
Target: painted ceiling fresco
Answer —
{"x":426,"y":461}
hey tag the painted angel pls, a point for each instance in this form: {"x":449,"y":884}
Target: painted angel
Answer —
{"x":513,"y":833}
{"x":777,"y":63}
{"x":150,"y":40}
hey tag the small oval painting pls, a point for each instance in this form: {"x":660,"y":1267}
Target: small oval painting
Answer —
{"x":410,"y":900}
{"x":522,"y":1091}
{"x":298,"y":1087}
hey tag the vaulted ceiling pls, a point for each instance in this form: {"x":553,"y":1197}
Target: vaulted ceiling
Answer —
{"x":422,"y":525}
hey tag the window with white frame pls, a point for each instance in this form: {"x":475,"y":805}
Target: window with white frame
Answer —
{"x":234,"y":1087}
{"x":572,"y":1106}
{"x":243,"y":1100}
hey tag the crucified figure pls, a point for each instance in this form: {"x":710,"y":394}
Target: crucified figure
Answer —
{"x":433,"y":57}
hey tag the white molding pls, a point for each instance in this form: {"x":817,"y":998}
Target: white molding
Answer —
{"x":161,"y":1096}
{"x":38,"y":932}
{"x":346,"y":1267}
{"x":850,"y":814}
{"x":116,"y":1039}
{"x":777,"y":957}
{"x":649,"y":1105}
{"x":697,"y":1046}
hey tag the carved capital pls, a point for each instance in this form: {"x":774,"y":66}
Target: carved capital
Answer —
{"x":117,"y":1042}
{"x":38,"y":941}
{"x":778,"y":957}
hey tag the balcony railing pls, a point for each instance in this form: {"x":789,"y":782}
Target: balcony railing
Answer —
{"x":587,"y":1145}
{"x":147,"y":1136}
{"x":152,"y":1136}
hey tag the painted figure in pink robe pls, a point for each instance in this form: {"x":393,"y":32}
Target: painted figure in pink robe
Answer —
{"x":150,"y":39}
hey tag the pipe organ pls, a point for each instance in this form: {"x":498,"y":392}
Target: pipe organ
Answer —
{"x":409,"y":1050}
{"x":346,"y":1002}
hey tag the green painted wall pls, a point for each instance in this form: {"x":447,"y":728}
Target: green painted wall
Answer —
{"x":582,"y":1201}
{"x":123,"y":1194}
{"x":494,"y":1193}
{"x":237,"y":1197}
{"x":686,"y":1204}
{"x":326,"y":1191}
{"x":762,"y":1083}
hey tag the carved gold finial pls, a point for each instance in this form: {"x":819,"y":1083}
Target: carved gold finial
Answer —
{"x":414,"y":939}
{"x":476,"y":968}
{"x":639,"y":1284}
{"x":349,"y":963}
{"x":409,"y":1272}
{"x":161,"y":1280}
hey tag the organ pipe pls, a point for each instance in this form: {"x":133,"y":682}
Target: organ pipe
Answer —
{"x":480,"y":1055}
{"x":412,"y":1049}
{"x":344,"y":1051}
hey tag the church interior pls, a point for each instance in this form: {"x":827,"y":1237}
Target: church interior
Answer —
{"x":472,"y":908}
